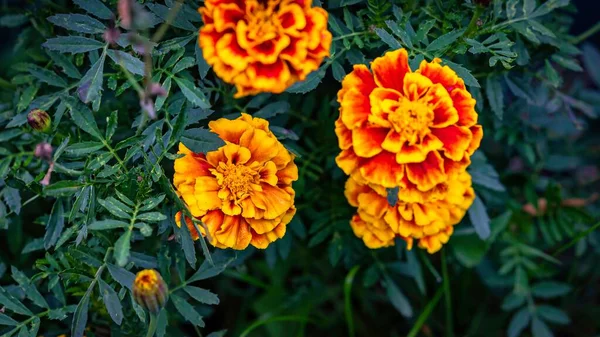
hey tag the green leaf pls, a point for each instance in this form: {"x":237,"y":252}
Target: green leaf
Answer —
{"x":518,"y":323}
{"x":392,"y":196}
{"x":131,"y":63}
{"x":540,"y":329}
{"x":30,"y":290}
{"x":79,"y":150}
{"x":192,"y":93}
{"x":5,"y":320}
{"x":553,"y":314}
{"x":203,"y":67}
{"x":12,"y":199}
{"x":273,"y":109}
{"x":26,"y":97}
{"x":469,"y":249}
{"x":202,"y":295}
{"x":495,"y":96}
{"x":149,"y":204}
{"x":72,"y":44}
{"x":79,"y":23}
{"x":207,"y":270}
{"x":111,"y":125}
{"x":67,"y":66}
{"x":122,"y":247}
{"x":201,"y":140}
{"x":13,"y":20}
{"x":95,"y":7}
{"x":116,"y":207}
{"x":388,"y":38}
{"x":547,"y":7}
{"x":397,"y":298}
{"x":47,"y":76}
{"x":311,"y":82}
{"x":33,"y":246}
{"x":591,"y":61}
{"x":513,"y":301}
{"x":151,"y":217}
{"x":479,"y":218}
{"x":463,"y":73}
{"x":187,"y":243}
{"x":187,"y":311}
{"x":444,"y":40}
{"x":569,"y":63}
{"x":107,"y":224}
{"x":179,"y":21}
{"x":63,"y":188}
{"x":80,"y":316}
{"x":161,"y":324}
{"x":90,"y":85}
{"x":338,"y":71}
{"x":83,"y":118}
{"x":402,"y":34}
{"x":111,"y":301}
{"x":55,"y":224}
{"x":550,"y":289}
{"x":13,"y":304}
{"x":183,"y":64}
{"x":123,"y":276}
{"x":125,"y":199}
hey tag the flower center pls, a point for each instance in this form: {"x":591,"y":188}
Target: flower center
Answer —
{"x":260,"y":19}
{"x":238,"y":179}
{"x":412,"y":120}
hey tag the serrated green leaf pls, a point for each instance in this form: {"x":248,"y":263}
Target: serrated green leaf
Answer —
{"x":192,"y":93}
{"x":311,"y":82}
{"x":130,"y":62}
{"x":512,"y":302}
{"x":13,"y":304}
{"x":464,"y":73}
{"x":550,"y":289}
{"x":123,"y":276}
{"x":272,"y":109}
{"x":183,"y":64}
{"x":518,"y":323}
{"x":30,"y":290}
{"x":5,"y":320}
{"x":151,"y":203}
{"x":67,"y":66}
{"x":107,"y":224}
{"x":201,"y":140}
{"x":90,"y":85}
{"x":479,"y":218}
{"x":116,"y":207}
{"x":78,"y":22}
{"x":540,"y":329}
{"x":55,"y":224}
{"x":388,"y":38}
{"x":83,"y":118}
{"x":80,"y":316}
{"x":47,"y":76}
{"x":72,"y":44}
{"x":122,"y":248}
{"x":187,"y":311}
{"x":151,"y":217}
{"x":338,"y":71}
{"x":111,"y":301}
{"x":495,"y":96}
{"x":202,"y":295}
{"x":444,"y":41}
{"x":63,"y":188}
{"x":95,"y":7}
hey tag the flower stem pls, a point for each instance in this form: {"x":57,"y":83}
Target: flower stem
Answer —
{"x":414,"y":331}
{"x":448,"y":297}
{"x":473,"y":24}
{"x":152,"y":325}
{"x":581,"y":37}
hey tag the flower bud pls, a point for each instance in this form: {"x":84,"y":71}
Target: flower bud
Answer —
{"x":39,"y":120}
{"x":43,"y":151}
{"x":150,"y":290}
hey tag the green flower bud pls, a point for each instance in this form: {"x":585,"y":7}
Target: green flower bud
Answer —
{"x":39,"y":120}
{"x":150,"y":290}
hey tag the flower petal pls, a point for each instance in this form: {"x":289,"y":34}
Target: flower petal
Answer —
{"x":348,"y":161}
{"x":456,"y":140}
{"x":418,"y":153}
{"x":355,"y":108}
{"x":390,"y":69}
{"x":465,"y":106}
{"x":477,"y":132}
{"x":262,"y":146}
{"x":234,"y":232}
{"x":383,"y":170}
{"x":367,"y":141}
{"x":428,"y":173}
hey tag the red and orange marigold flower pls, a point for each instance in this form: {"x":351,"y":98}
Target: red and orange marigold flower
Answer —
{"x":410,"y":130}
{"x":430,"y":220}
{"x":263,"y":45}
{"x":242,"y":191}
{"x":403,"y":128}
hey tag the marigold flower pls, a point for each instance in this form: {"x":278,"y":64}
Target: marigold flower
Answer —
{"x":150,"y":290}
{"x":430,"y":219}
{"x":263,"y":46}
{"x":242,"y":192}
{"x":403,"y":128}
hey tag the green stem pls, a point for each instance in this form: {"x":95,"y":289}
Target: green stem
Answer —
{"x":115,"y":155}
{"x":341,"y":37}
{"x":347,"y":299}
{"x":583,"y":36}
{"x":152,"y":325}
{"x":576,"y":239}
{"x":170,"y":17}
{"x":473,"y":24}
{"x":448,"y":296}
{"x":426,"y":312}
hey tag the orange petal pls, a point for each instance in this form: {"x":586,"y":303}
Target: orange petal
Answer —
{"x":465,"y":105}
{"x":418,"y":152}
{"x":189,"y":224}
{"x":372,"y":237}
{"x":292,"y":18}
{"x":206,"y":192}
{"x":477,"y":132}
{"x":231,"y":53}
{"x":353,"y":189}
{"x":269,"y":77}
{"x":261,"y":241}
{"x":360,"y":78}
{"x":207,"y":40}
{"x":344,"y":134}
{"x":274,"y":199}
{"x":267,"y":52}
{"x":456,"y":140}
{"x":367,"y":141}
{"x":234,"y":232}
{"x":390,"y":69}
{"x":443,"y":110}
{"x":236,"y":154}
{"x":213,"y":221}
{"x":392,"y":142}
{"x":288,"y":174}
{"x":226,"y":15}
{"x":453,"y":168}
{"x":295,"y":54}
{"x":383,"y":170}
{"x":262,"y":146}
{"x":355,"y":107}
{"x":428,"y":173}
{"x":372,"y":204}
{"x":443,"y":75}
{"x":268,"y":173}
{"x":348,"y":161}
{"x":262,"y":226}
{"x":316,"y":22}
{"x":415,"y":86}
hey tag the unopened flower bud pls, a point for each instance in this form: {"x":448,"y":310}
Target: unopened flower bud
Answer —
{"x":150,"y":290}
{"x":111,"y":35}
{"x":43,"y":151}
{"x":157,"y":90}
{"x":39,"y":120}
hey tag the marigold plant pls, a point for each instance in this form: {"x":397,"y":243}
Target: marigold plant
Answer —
{"x":263,"y":46}
{"x":241,"y":191}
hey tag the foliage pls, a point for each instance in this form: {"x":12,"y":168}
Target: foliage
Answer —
{"x":522,"y":262}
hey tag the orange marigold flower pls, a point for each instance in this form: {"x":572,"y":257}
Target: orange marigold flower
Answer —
{"x":430,"y":219}
{"x":263,"y":46}
{"x":403,"y":128}
{"x":150,"y":290}
{"x":242,"y":191}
